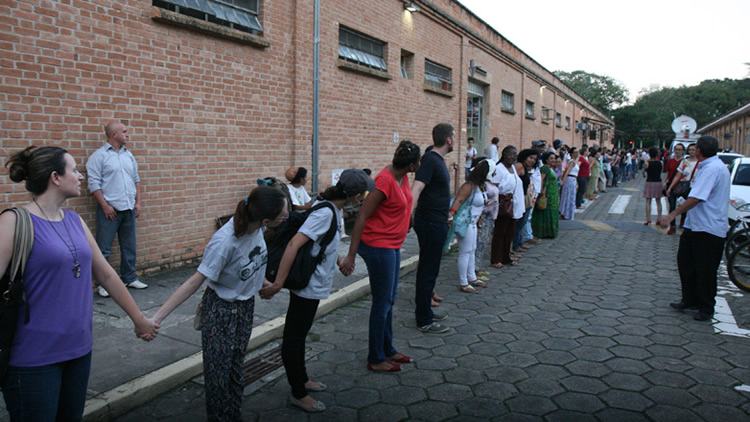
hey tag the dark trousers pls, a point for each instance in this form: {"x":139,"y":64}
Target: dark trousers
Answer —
{"x":615,"y":175}
{"x":583,"y":183}
{"x":505,"y":230}
{"x":124,"y":227}
{"x":431,"y":237}
{"x":672,"y":199}
{"x":224,"y":335}
{"x":49,"y":392}
{"x":299,"y":319}
{"x":698,"y":259}
{"x":383,"y":270}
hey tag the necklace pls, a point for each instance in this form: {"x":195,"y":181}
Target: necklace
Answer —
{"x":71,"y":247}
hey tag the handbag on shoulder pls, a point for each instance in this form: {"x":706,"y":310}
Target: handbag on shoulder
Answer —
{"x":11,"y":285}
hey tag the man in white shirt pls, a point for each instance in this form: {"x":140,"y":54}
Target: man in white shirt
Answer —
{"x":702,"y":242}
{"x":491,"y":150}
{"x":471,"y":154}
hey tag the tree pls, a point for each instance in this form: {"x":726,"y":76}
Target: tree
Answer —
{"x":603,"y":92}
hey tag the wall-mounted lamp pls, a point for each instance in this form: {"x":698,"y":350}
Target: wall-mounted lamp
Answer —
{"x":411,"y":7}
{"x":543,"y":86}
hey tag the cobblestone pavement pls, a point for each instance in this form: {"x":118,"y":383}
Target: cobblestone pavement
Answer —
{"x":579,"y":330}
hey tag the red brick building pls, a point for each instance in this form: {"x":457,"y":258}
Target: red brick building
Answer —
{"x":219,"y":93}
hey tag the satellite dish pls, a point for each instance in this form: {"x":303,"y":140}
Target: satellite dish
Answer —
{"x":684,"y":123}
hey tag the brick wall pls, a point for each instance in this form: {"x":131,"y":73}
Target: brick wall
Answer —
{"x":207,"y":115}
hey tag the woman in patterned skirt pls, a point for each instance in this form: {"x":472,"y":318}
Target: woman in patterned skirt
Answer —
{"x":569,"y":186}
{"x":546,"y":222}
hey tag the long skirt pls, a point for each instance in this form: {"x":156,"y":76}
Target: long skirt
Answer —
{"x":484,"y":240}
{"x":568,"y":198}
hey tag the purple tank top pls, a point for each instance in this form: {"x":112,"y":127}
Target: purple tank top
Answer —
{"x":60,"y":305}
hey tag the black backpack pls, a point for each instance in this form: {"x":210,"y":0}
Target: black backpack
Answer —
{"x":304,"y":263}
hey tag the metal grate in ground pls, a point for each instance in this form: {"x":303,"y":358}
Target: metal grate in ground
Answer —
{"x":262,"y":365}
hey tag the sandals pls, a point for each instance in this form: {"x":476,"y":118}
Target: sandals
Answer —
{"x":434,"y":304}
{"x":317,"y":389}
{"x":436,"y":298}
{"x":394,"y":367}
{"x":497,"y":265}
{"x":478,"y":283}
{"x":401,"y":358}
{"x":467,"y":288}
{"x":316,"y":407}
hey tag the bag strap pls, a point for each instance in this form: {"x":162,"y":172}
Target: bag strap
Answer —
{"x":328,"y":237}
{"x":23,"y":241}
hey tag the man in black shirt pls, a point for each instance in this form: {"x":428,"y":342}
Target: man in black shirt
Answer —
{"x":431,"y":192}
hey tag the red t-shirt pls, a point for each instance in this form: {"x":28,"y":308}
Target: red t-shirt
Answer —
{"x":584,"y":168}
{"x":388,"y":225}
{"x":671,"y":167}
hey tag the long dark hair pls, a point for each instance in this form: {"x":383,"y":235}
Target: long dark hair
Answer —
{"x":407,"y":153}
{"x":34,"y":165}
{"x":478,"y":174}
{"x":264,"y":202}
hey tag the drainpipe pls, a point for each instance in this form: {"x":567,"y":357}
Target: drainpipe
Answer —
{"x":316,"y":105}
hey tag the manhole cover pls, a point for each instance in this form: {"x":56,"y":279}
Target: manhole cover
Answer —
{"x":262,"y":365}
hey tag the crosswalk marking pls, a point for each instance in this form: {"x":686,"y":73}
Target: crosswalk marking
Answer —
{"x":664,"y":207}
{"x":619,"y":204}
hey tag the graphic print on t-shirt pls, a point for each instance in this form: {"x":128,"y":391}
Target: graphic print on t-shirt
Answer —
{"x":256,"y":259}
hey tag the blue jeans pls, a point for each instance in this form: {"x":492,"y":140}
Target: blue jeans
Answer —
{"x":383,"y":269}
{"x":49,"y":392}
{"x":520,"y":235}
{"x":124,"y":227}
{"x":431,"y":236}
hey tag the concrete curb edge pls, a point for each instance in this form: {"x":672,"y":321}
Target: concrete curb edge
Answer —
{"x":121,"y":399}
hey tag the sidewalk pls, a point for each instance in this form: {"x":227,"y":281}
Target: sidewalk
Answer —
{"x":580,"y":330}
{"x":119,"y":357}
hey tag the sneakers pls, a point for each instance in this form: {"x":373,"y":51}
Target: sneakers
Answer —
{"x":439,"y":315}
{"x":103,"y":293}
{"x":137,"y":284}
{"x":433,"y":328}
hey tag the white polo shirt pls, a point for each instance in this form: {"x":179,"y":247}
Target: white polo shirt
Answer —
{"x":711,"y":187}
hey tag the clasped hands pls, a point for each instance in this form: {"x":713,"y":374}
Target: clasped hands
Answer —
{"x":146,"y":329}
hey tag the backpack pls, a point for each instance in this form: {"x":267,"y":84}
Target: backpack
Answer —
{"x":12,"y":294}
{"x":305,"y":262}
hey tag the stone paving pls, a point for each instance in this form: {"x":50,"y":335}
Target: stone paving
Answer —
{"x":580,"y":330}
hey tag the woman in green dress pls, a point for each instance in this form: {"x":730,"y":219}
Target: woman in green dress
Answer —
{"x":546,"y":222}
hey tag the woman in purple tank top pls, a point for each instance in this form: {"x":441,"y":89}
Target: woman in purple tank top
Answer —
{"x":50,"y":356}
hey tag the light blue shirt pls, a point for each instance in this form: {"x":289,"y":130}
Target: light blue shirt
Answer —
{"x":710,"y":186}
{"x":115,"y":173}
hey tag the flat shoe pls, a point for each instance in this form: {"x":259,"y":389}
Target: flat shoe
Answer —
{"x":315,"y":408}
{"x":434,"y":304}
{"x":401,"y":358}
{"x":394,"y":368}
{"x":467,"y":289}
{"x":478,"y":283}
{"x":319,"y":388}
{"x":498,"y":265}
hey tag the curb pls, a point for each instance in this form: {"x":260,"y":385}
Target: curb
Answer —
{"x":121,"y":399}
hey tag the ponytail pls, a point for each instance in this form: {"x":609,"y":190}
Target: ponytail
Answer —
{"x":333,"y":193}
{"x":263,"y":203}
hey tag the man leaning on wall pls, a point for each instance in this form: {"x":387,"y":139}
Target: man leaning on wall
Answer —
{"x":114,"y":182}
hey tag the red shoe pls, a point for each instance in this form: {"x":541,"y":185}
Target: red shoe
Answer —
{"x":671,"y":230}
{"x":394,"y":368}
{"x":401,"y":358}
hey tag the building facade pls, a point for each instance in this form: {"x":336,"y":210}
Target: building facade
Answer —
{"x":219,"y":93}
{"x":732,"y":130}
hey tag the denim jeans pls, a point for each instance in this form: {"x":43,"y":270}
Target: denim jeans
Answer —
{"x":520,"y":235}
{"x":49,"y":392}
{"x":124,"y":227}
{"x":431,"y":236}
{"x":383,"y":270}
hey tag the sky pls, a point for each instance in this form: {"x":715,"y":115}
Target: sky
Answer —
{"x":641,"y":44}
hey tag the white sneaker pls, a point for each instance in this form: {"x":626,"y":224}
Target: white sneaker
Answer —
{"x":102,"y":292}
{"x":137,"y":284}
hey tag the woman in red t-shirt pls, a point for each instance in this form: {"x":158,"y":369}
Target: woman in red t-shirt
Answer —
{"x":378,"y":234}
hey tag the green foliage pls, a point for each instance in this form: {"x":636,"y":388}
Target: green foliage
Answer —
{"x":651,"y":116}
{"x":601,"y":91}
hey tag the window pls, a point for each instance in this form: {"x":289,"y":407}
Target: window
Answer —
{"x":361,"y":49}
{"x":507,"y":102}
{"x":530,"y":113}
{"x":567,"y":122}
{"x":407,"y":64}
{"x":437,"y":76}
{"x":546,"y":115}
{"x":558,"y":119}
{"x":241,"y":15}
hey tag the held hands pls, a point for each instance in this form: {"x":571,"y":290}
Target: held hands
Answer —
{"x":664,"y":221}
{"x":346,"y":265}
{"x":269,"y":289}
{"x":146,"y":329}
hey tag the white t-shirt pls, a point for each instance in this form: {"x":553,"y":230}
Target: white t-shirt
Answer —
{"x":299,"y":195}
{"x":315,"y":227}
{"x":491,"y":152}
{"x":471,"y":154}
{"x":235,"y":267}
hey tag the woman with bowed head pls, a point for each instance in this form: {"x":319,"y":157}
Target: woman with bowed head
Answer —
{"x":473,"y":197}
{"x":50,"y":357}
{"x":303,"y":303}
{"x":379,"y":232}
{"x":234,"y":263}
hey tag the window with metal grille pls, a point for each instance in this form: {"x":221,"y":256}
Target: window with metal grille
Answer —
{"x":507,"y":102}
{"x":567,"y":122}
{"x":241,"y":15}
{"x":407,"y":64}
{"x":558,"y":119}
{"x":530,"y":109}
{"x":438,"y":76}
{"x":361,"y":49}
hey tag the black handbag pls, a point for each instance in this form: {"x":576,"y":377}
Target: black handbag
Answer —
{"x":11,"y":285}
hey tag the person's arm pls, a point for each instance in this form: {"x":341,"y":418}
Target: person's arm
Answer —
{"x":94,"y":174}
{"x":137,"y":208}
{"x":108,"y":278}
{"x":186,"y":289}
{"x":416,"y":190}
{"x":372,"y":202}
{"x":7,"y":232}
{"x":686,"y":206}
{"x":270,"y":289}
{"x":461,"y":195}
{"x":566,"y":172}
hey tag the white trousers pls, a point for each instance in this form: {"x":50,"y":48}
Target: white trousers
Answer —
{"x":467,"y":245}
